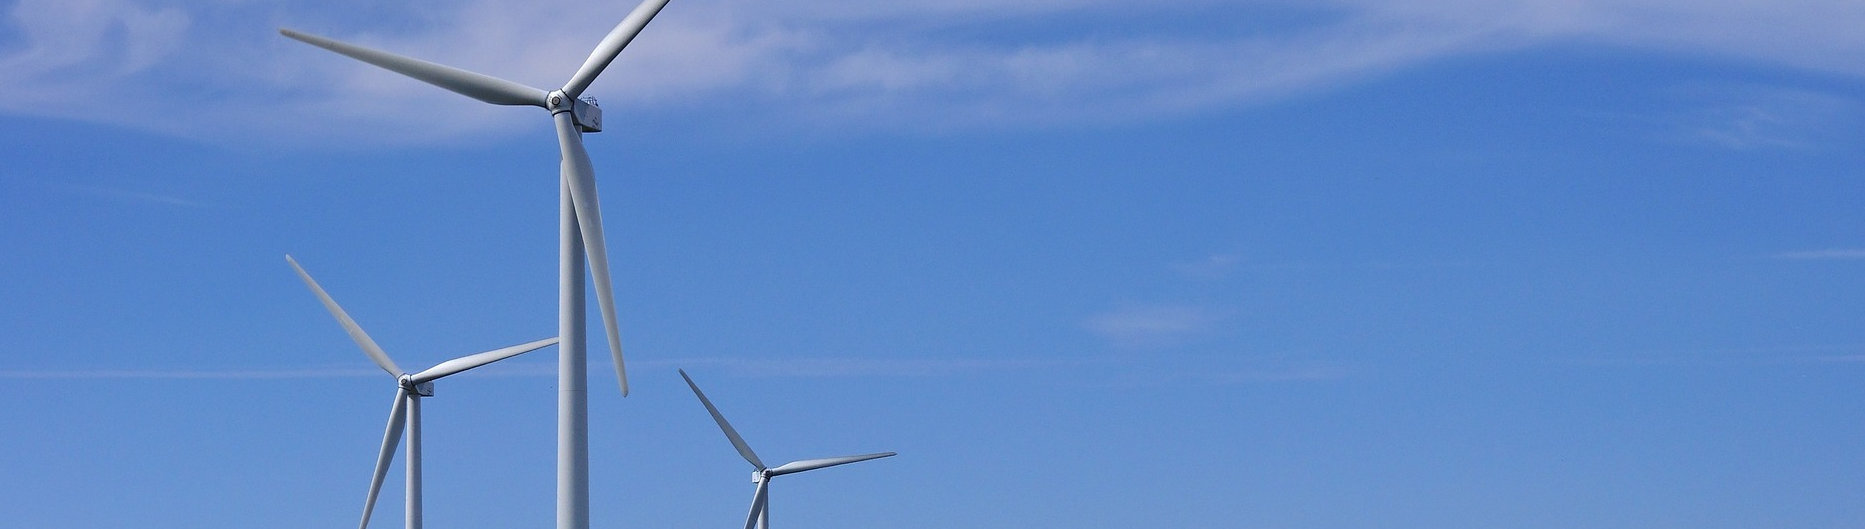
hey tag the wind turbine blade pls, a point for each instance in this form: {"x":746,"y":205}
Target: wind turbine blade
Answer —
{"x":474,"y":85}
{"x":813,"y":464}
{"x":737,"y":442}
{"x":581,"y":178}
{"x":757,"y":504}
{"x":390,"y":439}
{"x":349,"y":325}
{"x":612,"y":45}
{"x":764,"y":511}
{"x":468,"y":362}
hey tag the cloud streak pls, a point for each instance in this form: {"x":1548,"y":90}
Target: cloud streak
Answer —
{"x":184,"y":374}
{"x":1738,"y":357}
{"x":1149,"y":327}
{"x":833,"y":367}
{"x":70,"y":54}
{"x":806,"y":367}
{"x":1156,"y":370}
{"x":1830,"y":254}
{"x":216,"y":71}
{"x":131,"y":196}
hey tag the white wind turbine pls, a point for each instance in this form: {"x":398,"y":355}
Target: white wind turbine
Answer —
{"x":760,"y":510}
{"x":580,"y":228}
{"x":405,"y":414}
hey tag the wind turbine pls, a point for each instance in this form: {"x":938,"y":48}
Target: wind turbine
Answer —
{"x":579,"y":228}
{"x":760,"y":512}
{"x":405,"y":414}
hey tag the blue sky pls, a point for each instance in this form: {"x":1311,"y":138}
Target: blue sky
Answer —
{"x":1082,"y":263}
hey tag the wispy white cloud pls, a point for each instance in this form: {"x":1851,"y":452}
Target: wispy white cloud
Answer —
{"x":1830,"y":254}
{"x":907,"y":64}
{"x":67,"y":56}
{"x":1746,"y":117}
{"x":1308,"y":372}
{"x":506,"y":369}
{"x":1123,"y":369}
{"x":1152,"y":326}
{"x":1694,"y":362}
{"x":133,"y":196}
{"x":1232,"y":371}
{"x":185,"y":374}
{"x":821,"y":367}
{"x":1785,"y":355}
{"x":1212,"y":267}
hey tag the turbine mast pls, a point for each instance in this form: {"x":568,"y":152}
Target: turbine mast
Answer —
{"x":572,"y":374}
{"x":412,"y":509}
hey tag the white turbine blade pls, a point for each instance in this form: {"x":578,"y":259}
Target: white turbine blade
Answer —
{"x":468,"y":362}
{"x":612,"y":45}
{"x":813,"y":464}
{"x":581,"y":178}
{"x":357,"y":335}
{"x":474,"y":85}
{"x":737,"y":442}
{"x":764,"y":510}
{"x":757,"y":504}
{"x":390,"y":439}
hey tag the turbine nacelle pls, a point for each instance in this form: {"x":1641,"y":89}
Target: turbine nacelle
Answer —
{"x":584,"y":110}
{"x":413,"y":387}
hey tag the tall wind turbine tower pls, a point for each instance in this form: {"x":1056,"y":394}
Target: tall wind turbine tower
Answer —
{"x":579,"y":228}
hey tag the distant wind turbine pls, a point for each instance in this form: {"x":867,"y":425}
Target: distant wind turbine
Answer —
{"x":405,"y":414}
{"x":579,"y":227}
{"x":760,"y":512}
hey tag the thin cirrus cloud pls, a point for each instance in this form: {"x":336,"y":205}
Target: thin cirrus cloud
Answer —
{"x":501,"y":370}
{"x":216,"y":71}
{"x":1212,"y":267}
{"x":1830,"y":254}
{"x":131,"y":196}
{"x":1748,"y":117}
{"x":102,"y":38}
{"x":183,"y":374}
{"x":830,"y":367}
{"x":1155,"y":326}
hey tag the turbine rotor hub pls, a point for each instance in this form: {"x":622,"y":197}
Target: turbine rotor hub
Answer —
{"x":759,"y":476}
{"x":425,"y":389}
{"x":587,"y":114}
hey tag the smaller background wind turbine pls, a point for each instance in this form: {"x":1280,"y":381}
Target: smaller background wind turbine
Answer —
{"x":405,"y":413}
{"x":760,"y":500}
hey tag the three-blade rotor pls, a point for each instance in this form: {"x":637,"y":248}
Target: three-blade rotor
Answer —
{"x":410,"y":386}
{"x":760,"y":501}
{"x":570,"y":120}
